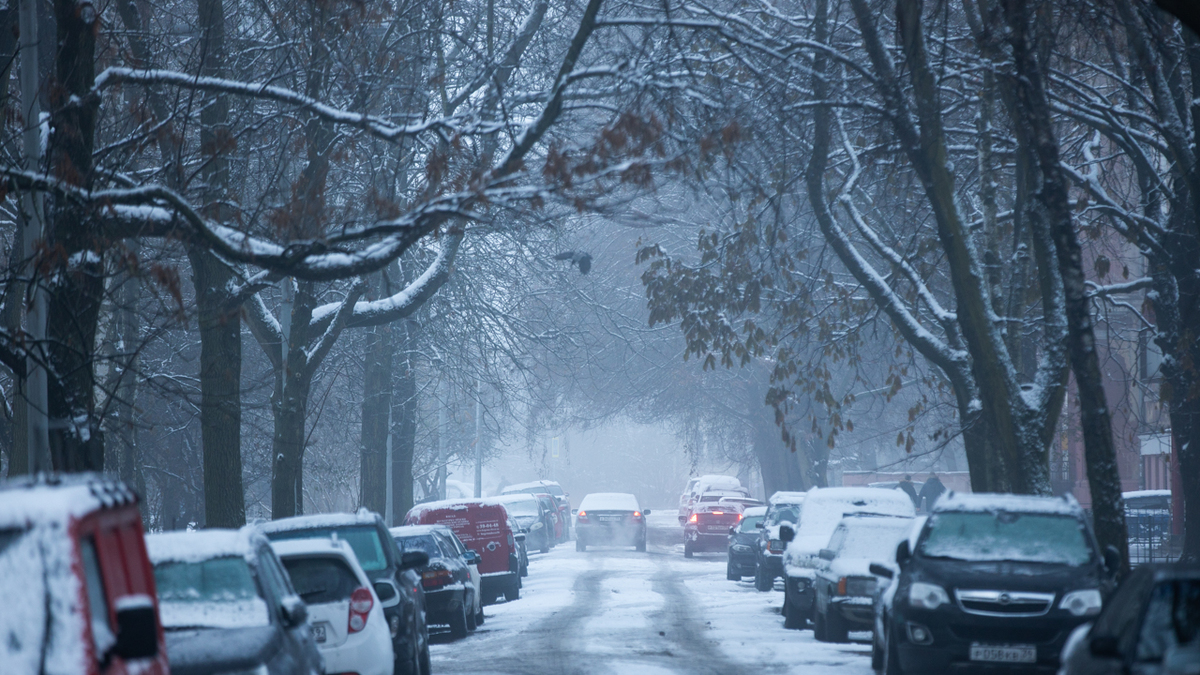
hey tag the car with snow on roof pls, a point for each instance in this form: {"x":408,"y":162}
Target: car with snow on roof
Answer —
{"x":450,"y":593}
{"x":707,"y":529}
{"x":392,"y":575}
{"x":701,"y":484}
{"x":532,"y":516}
{"x":782,"y":507}
{"x":743,"y":540}
{"x":483,"y":526}
{"x":228,"y":605}
{"x":991,"y":583}
{"x":78,"y":589}
{"x":845,"y":587}
{"x":344,"y":613}
{"x":610,"y":519}
{"x":561,"y":498}
{"x":823,"y":509}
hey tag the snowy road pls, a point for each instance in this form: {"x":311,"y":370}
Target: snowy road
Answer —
{"x":618,"y":611}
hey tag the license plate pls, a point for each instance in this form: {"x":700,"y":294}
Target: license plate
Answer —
{"x":1004,"y":653}
{"x":318,"y":631}
{"x":718,"y":528}
{"x":610,"y":519}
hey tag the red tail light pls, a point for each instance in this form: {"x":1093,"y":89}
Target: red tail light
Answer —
{"x":582,"y":515}
{"x":637,"y":515}
{"x":435,"y":578}
{"x":693,"y":519}
{"x":718,"y":513}
{"x":739,"y":517}
{"x":361,"y":603}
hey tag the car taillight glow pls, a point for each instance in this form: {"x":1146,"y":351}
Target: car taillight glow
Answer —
{"x":434,"y":578}
{"x":694,"y":518}
{"x":361,"y":603}
{"x":582,"y":515}
{"x":718,"y":513}
{"x":637,"y":514}
{"x":842,"y":586}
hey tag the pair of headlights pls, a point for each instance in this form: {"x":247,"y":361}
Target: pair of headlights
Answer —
{"x":1086,"y":602}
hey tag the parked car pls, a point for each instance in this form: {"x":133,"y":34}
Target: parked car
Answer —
{"x":845,"y":587}
{"x":483,"y":527}
{"x":743,"y":539}
{"x":344,"y":612}
{"x":392,"y":575}
{"x":610,"y":518}
{"x":532,"y":517}
{"x":228,"y":605}
{"x":740,"y":501}
{"x":449,"y":591}
{"x":708,"y":528}
{"x":782,"y":507}
{"x":823,"y":510}
{"x":1150,"y":626}
{"x":522,"y":550}
{"x":554,"y":515}
{"x":992,"y":582}
{"x":72,"y":556}
{"x":552,"y":488}
{"x":699,"y":485}
{"x":472,"y":559}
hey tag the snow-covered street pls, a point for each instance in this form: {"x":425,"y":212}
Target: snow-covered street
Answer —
{"x":612,"y":610}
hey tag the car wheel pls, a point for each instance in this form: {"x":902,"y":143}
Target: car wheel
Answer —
{"x":891,"y":657}
{"x":730,"y":574}
{"x":580,"y":547}
{"x":819,"y":627}
{"x":545,"y":543}
{"x":426,"y":663}
{"x":513,"y":592}
{"x":641,"y":545}
{"x":407,"y":666}
{"x":876,"y":655}
{"x":479,"y":618}
{"x":792,"y":620}
{"x":458,"y":623}
{"x":687,"y":549}
{"x":835,"y":629}
{"x":761,"y":582}
{"x":469,"y":610}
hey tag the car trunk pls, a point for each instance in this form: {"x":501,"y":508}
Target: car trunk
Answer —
{"x":716,"y":522}
{"x":330,"y":621}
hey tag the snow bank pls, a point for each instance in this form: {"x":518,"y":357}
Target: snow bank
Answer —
{"x":609,"y":501}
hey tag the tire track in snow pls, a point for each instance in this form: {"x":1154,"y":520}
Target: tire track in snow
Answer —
{"x":696,"y":651}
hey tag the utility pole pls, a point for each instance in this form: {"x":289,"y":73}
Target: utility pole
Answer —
{"x":478,"y":438}
{"x":440,"y":476}
{"x":33,"y":234}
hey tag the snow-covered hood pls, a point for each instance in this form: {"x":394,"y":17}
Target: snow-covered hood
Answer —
{"x":525,"y":522}
{"x":216,"y":650}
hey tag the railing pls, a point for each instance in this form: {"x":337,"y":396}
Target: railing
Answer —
{"x":1150,"y":539}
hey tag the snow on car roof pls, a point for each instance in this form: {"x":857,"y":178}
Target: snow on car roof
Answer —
{"x":987,"y":501}
{"x":57,"y":498}
{"x":716,"y":478}
{"x":615,"y":501}
{"x":754,"y":511}
{"x":417,"y":530}
{"x":829,"y":504}
{"x":785,"y":497}
{"x":319,"y":520}
{"x":1145,"y":493}
{"x":199,"y":545}
{"x":515,"y":497}
{"x":525,"y":486}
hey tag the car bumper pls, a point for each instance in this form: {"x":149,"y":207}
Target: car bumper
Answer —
{"x":799,"y":594}
{"x":498,"y":583}
{"x":953,"y":634}
{"x":702,"y":541}
{"x":620,"y":535}
{"x":742,"y":563}
{"x":366,"y":653}
{"x":856,"y":612}
{"x":440,"y":605}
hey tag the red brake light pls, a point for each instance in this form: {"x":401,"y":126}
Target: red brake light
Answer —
{"x":435,"y":578}
{"x":718,"y":513}
{"x":361,"y":603}
{"x":693,"y":518}
{"x":739,"y":517}
{"x":582,"y":515}
{"x":637,"y":514}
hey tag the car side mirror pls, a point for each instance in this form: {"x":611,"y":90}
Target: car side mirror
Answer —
{"x":387,"y":593}
{"x":536,"y":526}
{"x":471,"y":557}
{"x":645,"y":512}
{"x":1112,"y":559}
{"x":1104,"y":646}
{"x":519,"y":537}
{"x":903,"y":554}
{"x":786,"y":533}
{"x":137,"y":628}
{"x":295,"y":612}
{"x":881,"y":571}
{"x":827,"y":554}
{"x":411,"y":559}
{"x":733,"y":530}
{"x":760,"y":525}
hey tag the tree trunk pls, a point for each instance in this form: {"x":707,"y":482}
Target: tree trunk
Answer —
{"x":376,"y":409}
{"x":404,"y":421}
{"x":291,"y":409}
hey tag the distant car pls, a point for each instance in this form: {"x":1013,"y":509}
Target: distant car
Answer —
{"x":743,"y":538}
{"x":229,"y":606}
{"x":554,"y":517}
{"x":532,"y":516}
{"x":610,"y":518}
{"x":449,"y":592}
{"x":482,"y":526}
{"x":782,"y":507}
{"x":344,"y":612}
{"x":522,"y":550}
{"x":708,"y":528}
{"x":992,"y":582}
{"x":823,"y":510}
{"x":845,"y":586}
{"x":73,"y":560}
{"x":742,"y":502}
{"x":392,"y":575}
{"x":701,"y":484}
{"x":553,"y":489}
{"x":1150,"y":626}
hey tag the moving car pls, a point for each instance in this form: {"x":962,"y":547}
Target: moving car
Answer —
{"x":823,"y":509}
{"x":1150,"y":626}
{"x":993,"y":582}
{"x":699,"y":485}
{"x":344,"y":613}
{"x":483,"y":527}
{"x":72,"y":556}
{"x":392,"y":575}
{"x":845,"y":587}
{"x":552,"y":488}
{"x":782,"y":507}
{"x":229,"y":606}
{"x":610,"y":518}
{"x":532,"y":517}
{"x":743,"y":538}
{"x":707,"y":529}
{"x":450,"y":595}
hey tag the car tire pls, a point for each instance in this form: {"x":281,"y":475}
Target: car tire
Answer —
{"x":876,"y":655}
{"x":409,"y":666}
{"x":580,"y":547}
{"x":761,"y":582}
{"x":891,"y":658}
{"x":687,"y":549}
{"x":426,"y":663}
{"x":819,"y":627}
{"x":835,"y":629}
{"x":469,"y":610}
{"x":458,"y":623}
{"x":513,"y":592}
{"x":792,"y":620}
{"x":641,"y":545}
{"x":479,"y":617}
{"x":730,"y":574}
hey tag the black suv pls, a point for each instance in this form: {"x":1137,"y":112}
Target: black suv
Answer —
{"x":393,"y":575}
{"x":992,"y":582}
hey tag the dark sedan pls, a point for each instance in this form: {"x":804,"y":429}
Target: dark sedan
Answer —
{"x":743,"y":538}
{"x":449,"y":593}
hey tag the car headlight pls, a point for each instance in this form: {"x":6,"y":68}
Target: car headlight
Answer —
{"x":741,"y":548}
{"x":927,"y":596}
{"x":1082,"y":603}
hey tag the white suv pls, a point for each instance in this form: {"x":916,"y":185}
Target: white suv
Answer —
{"x":343,"y":610}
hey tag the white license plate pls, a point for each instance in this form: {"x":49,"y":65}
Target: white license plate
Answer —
{"x":318,"y":631}
{"x":718,"y":528}
{"x":1004,"y":653}
{"x":610,"y":519}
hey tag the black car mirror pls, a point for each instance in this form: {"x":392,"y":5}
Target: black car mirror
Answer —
{"x":295,"y":612}
{"x":411,"y":559}
{"x":519,"y":537}
{"x":536,"y":526}
{"x":786,"y":533}
{"x":903,"y":553}
{"x":881,"y":571}
{"x":827,"y":554}
{"x":733,"y":530}
{"x":137,"y":630}
{"x":1104,"y":646}
{"x":645,"y":512}
{"x":1112,"y":559}
{"x":384,"y":590}
{"x":472,"y":558}
{"x":760,"y":525}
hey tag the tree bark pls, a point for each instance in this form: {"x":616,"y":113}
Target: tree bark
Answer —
{"x":376,"y":410}
{"x":404,"y":421}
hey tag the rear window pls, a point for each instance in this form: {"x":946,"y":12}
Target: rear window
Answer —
{"x":783,"y":514}
{"x":424,"y":543}
{"x":321,"y":580}
{"x":749,"y":523}
{"x":364,"y":539}
{"x":1008,"y":536}
{"x":214,"y":593}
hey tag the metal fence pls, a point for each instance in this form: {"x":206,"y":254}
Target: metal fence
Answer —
{"x":1150,"y":539}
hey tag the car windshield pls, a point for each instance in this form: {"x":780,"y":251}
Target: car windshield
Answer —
{"x":749,"y":523}
{"x":785,"y":514}
{"x":424,"y":543}
{"x":1004,"y":535}
{"x":364,"y":539}
{"x":214,"y":593}
{"x":321,"y":580}
{"x":522,"y":507}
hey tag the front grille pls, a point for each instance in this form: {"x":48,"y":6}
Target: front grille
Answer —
{"x":1004,"y":634}
{"x":1004,"y":603}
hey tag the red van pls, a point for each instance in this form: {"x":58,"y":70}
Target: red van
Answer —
{"x":482,"y":526}
{"x":77,"y":587}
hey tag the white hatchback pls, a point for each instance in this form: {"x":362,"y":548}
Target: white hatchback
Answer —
{"x":343,"y":609}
